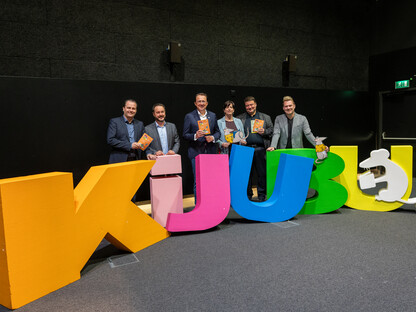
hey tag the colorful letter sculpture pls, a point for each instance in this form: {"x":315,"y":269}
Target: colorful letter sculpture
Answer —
{"x":289,"y":194}
{"x":166,"y":191}
{"x":48,"y":231}
{"x":394,"y":176}
{"x":167,"y":165}
{"x":330,"y":194}
{"x":401,"y":155}
{"x":213,"y":196}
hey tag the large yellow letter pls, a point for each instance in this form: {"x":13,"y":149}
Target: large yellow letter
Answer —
{"x":401,"y":155}
{"x":48,"y":231}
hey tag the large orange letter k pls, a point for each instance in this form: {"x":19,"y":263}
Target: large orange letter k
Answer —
{"x":48,"y":231}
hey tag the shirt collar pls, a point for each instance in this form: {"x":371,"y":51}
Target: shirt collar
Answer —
{"x":292,"y":118}
{"x":200,"y":115}
{"x":126,"y":121}
{"x":157,"y":125}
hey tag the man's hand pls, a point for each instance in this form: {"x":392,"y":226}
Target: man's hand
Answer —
{"x":170,"y":152}
{"x":243,"y":142}
{"x":225,"y":144}
{"x":159,"y":153}
{"x":270,"y":149}
{"x":199,"y":134}
{"x":260,"y":131}
{"x":151,"y":157}
{"x":209,"y":138}
{"x":135,"y":145}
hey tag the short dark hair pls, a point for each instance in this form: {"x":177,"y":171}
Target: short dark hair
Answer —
{"x":158,"y":104}
{"x":249,"y":98}
{"x":129,"y":100}
{"x":202,"y":94}
{"x":229,"y":103}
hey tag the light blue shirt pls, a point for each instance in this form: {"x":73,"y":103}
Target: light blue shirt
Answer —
{"x":163,"y":137}
{"x":130,"y":129}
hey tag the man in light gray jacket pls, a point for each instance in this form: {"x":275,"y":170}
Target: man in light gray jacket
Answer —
{"x":288,"y":128}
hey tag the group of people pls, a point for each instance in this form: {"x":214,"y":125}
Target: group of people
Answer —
{"x":124,"y":133}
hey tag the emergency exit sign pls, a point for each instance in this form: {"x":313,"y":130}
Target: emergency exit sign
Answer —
{"x":402,"y":84}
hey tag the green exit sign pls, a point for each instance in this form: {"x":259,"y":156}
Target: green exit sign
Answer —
{"x":402,"y":84}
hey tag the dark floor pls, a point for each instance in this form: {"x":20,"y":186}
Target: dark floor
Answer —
{"x":348,"y":260}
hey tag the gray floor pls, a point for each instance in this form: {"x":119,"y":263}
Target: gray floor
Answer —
{"x":348,"y":260}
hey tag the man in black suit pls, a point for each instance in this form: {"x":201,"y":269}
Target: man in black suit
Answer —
{"x":123,"y":134}
{"x":164,"y":134}
{"x":199,"y":142}
{"x":260,"y":140}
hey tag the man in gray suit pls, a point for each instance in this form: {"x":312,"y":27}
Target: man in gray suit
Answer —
{"x":164,"y":134}
{"x":288,"y":128}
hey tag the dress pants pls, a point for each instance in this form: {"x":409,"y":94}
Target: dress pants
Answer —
{"x":259,"y":162}
{"x":193,"y":171}
{"x":132,"y":156}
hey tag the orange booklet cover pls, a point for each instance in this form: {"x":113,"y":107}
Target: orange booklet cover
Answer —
{"x":203,"y":125}
{"x":258,"y":124}
{"x":144,"y":141}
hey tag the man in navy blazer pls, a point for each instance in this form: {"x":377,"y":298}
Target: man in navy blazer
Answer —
{"x":199,"y":142}
{"x":164,"y":134}
{"x":123,"y":134}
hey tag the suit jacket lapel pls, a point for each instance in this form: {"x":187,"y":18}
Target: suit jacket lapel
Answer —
{"x":196,"y":115}
{"x":124,"y":127}
{"x":295,"y":122}
{"x":169,"y":136}
{"x":157,"y":136}
{"x":136,"y":130}
{"x":210,"y":120}
{"x":285,"y":125}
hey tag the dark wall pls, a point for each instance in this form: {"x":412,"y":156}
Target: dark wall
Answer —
{"x":398,"y":109}
{"x":389,"y":67}
{"x":396,"y":106}
{"x":393,"y":58}
{"x":392,"y":25}
{"x":60,"y":125}
{"x":223,"y":42}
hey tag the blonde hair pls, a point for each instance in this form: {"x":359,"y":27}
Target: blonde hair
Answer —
{"x":288,"y":98}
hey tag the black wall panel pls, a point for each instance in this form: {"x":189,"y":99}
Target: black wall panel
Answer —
{"x":60,"y":125}
{"x":389,"y":67}
{"x":398,"y":105}
{"x":398,"y":108}
{"x":239,"y":42}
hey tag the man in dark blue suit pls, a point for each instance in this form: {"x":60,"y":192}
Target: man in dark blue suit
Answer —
{"x":199,"y":142}
{"x":123,"y":134}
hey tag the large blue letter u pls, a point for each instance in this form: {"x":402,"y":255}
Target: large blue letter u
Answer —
{"x":289,"y":194}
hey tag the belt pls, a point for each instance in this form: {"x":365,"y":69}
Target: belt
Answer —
{"x":255,"y":145}
{"x":132,"y":154}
